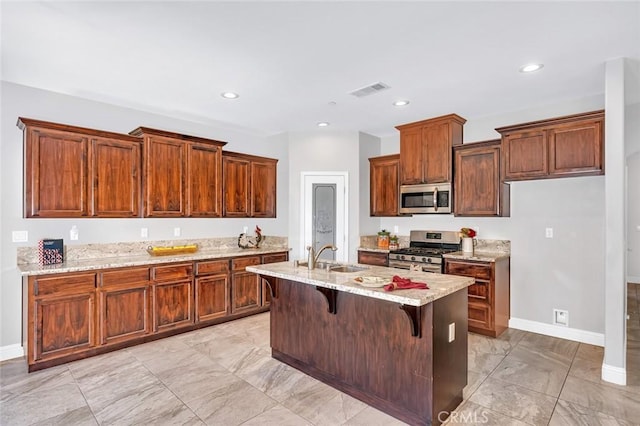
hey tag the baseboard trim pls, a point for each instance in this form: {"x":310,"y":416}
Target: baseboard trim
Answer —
{"x":613,"y":374}
{"x":574,"y":334}
{"x":632,"y":279}
{"x":11,"y":352}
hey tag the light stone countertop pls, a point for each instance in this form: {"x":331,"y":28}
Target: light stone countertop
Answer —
{"x":139,"y":259}
{"x":477,"y":255}
{"x":440,"y":285}
{"x":374,"y":249}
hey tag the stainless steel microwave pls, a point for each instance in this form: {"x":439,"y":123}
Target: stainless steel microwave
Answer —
{"x":427,"y":198}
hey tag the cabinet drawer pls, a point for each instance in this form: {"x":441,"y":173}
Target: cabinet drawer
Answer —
{"x":469,"y":270}
{"x":172,"y":272}
{"x":373,"y":258}
{"x":209,"y":267}
{"x":240,"y":263}
{"x":64,"y":284}
{"x":274,"y":258}
{"x":124,"y":276}
{"x":479,"y":291}
{"x":480,"y":316}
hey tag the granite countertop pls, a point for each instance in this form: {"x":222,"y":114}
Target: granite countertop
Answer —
{"x":440,"y":285}
{"x":138,"y":260}
{"x":478,"y":255}
{"x":373,"y":249}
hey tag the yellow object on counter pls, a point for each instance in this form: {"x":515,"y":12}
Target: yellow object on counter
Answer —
{"x":168,"y":250}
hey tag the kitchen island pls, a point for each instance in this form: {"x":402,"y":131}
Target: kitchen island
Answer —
{"x":403,"y":352}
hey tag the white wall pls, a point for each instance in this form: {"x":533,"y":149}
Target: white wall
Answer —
{"x":324,"y":151}
{"x":33,"y":103}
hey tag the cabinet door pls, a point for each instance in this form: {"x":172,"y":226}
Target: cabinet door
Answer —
{"x":265,"y":288}
{"x":477,"y":181}
{"x":576,"y":149}
{"x":55,"y":173}
{"x":236,"y":187}
{"x":436,"y":153}
{"x":172,"y":305}
{"x":384,"y":185}
{"x":212,"y":297}
{"x":204,"y":181}
{"x":245,"y":292}
{"x":115,"y":172}
{"x":411,"y":156}
{"x":63,"y":312}
{"x":124,"y":305}
{"x":164,"y":177}
{"x":525,"y":155}
{"x":263,"y":188}
{"x":373,"y":258}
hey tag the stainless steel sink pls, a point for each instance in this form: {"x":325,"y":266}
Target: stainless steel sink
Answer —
{"x":347,"y":268}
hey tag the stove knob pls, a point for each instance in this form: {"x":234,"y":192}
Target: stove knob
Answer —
{"x":429,"y":260}
{"x":413,"y":258}
{"x":402,"y":257}
{"x":424,"y":259}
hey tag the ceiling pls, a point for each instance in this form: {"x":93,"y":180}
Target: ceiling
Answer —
{"x":295,"y":63}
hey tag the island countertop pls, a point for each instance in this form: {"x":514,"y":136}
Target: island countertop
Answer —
{"x":440,"y":285}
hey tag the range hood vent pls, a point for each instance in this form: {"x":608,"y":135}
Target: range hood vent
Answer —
{"x":370,"y":89}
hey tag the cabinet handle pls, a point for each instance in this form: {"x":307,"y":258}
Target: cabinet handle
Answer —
{"x":435,"y":199}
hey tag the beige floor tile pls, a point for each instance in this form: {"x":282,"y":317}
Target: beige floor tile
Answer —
{"x":277,"y":416}
{"x":602,"y":398}
{"x":591,"y":352}
{"x":568,"y":414}
{"x":540,"y":372}
{"x":514,"y":401}
{"x":470,"y":413}
{"x":474,"y":380}
{"x":488,"y":345}
{"x":544,"y":344}
{"x":79,"y":417}
{"x":372,"y":417}
{"x":483,"y":363}
{"x":16,"y":380}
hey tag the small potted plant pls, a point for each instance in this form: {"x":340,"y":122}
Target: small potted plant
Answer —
{"x":467,"y":235}
{"x":393,"y":242}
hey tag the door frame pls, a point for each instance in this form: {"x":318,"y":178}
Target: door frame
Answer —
{"x":341,"y":180}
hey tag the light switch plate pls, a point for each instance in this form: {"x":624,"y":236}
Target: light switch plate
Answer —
{"x":548,"y":232}
{"x":144,"y":232}
{"x":176,"y":232}
{"x":452,"y":332}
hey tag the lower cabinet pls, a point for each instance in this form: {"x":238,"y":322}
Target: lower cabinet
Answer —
{"x":489,"y":296}
{"x":75,"y":315}
{"x":373,"y":258}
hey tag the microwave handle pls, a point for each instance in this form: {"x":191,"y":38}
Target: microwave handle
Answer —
{"x":435,"y":199}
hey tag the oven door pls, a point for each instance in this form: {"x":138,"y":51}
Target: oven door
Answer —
{"x":435,"y":268}
{"x":416,"y":199}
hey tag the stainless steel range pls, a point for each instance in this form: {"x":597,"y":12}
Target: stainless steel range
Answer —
{"x":425,"y":250}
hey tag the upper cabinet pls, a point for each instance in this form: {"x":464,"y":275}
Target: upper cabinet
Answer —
{"x":425,"y":149}
{"x":78,"y":172}
{"x":479,"y":190}
{"x":182,"y":174}
{"x":559,"y":147}
{"x":249,"y":185}
{"x":384,"y":185}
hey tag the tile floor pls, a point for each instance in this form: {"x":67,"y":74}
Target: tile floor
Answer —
{"x":224,"y":375}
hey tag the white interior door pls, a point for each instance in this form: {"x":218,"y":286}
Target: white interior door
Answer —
{"x":340,"y":180}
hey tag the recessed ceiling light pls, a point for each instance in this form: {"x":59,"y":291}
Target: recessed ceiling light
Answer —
{"x":323,"y":124}
{"x":229,"y":95}
{"x":531,"y":68}
{"x":401,"y":103}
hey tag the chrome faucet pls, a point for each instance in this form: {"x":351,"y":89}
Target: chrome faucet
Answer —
{"x":313,"y":257}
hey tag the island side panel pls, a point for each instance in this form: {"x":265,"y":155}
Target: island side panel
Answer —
{"x":366,"y":349}
{"x":449,"y":358}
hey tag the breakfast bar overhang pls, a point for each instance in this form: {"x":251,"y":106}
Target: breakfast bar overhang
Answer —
{"x":402,"y":352}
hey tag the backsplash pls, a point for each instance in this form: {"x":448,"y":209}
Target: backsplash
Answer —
{"x":28,"y":255}
{"x":371,"y":241}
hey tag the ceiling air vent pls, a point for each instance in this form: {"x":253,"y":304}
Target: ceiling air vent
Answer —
{"x":369,"y":90}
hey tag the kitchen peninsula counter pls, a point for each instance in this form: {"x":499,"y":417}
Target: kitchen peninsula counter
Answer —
{"x":403,"y":352}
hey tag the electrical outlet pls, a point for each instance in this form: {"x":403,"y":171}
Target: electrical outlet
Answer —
{"x":245,"y":229}
{"x":548,"y":232}
{"x":561,"y":317}
{"x":144,"y":232}
{"x":176,"y":232}
{"x":20,"y":236}
{"x":452,"y":332}
{"x":73,"y":233}
{"x":396,"y":229}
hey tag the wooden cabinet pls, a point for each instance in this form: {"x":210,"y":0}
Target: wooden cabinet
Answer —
{"x":559,"y":147}
{"x":182,"y":174}
{"x":384,"y":185}
{"x":212,"y":290}
{"x":373,"y":258}
{"x":246,"y":287}
{"x":265,"y":288}
{"x":60,"y":316}
{"x":249,"y":185}
{"x":489,"y":296}
{"x":425,"y":149}
{"x":479,"y":190}
{"x":124,"y":299}
{"x":77,"y":172}
{"x":172,"y":296}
